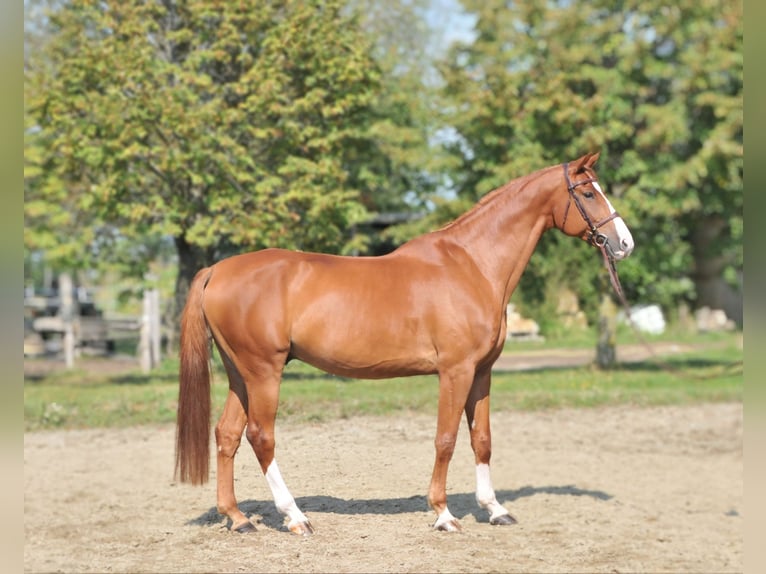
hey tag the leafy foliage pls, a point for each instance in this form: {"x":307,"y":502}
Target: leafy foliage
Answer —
{"x":657,"y":88}
{"x":225,"y":125}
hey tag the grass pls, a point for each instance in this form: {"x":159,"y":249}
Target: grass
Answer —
{"x":79,"y":399}
{"x":585,"y":338}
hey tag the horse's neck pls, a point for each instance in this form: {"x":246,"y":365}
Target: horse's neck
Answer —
{"x":501,"y":233}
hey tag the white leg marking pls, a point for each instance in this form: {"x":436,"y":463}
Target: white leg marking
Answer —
{"x":283,"y":500}
{"x":446,"y":521}
{"x":485,"y":494}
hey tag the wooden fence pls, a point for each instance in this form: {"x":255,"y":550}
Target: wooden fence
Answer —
{"x":61,"y":324}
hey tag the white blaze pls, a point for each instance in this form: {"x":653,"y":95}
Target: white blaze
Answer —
{"x":626,"y":244}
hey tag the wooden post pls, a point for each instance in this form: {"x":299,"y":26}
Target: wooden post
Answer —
{"x":606,"y":350}
{"x":68,"y":311}
{"x":154,"y":326}
{"x":149,"y":342}
{"x":144,"y":342}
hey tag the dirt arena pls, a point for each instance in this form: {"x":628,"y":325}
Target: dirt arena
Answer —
{"x":599,"y":490}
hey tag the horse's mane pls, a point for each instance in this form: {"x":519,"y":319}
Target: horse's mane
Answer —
{"x":517,"y":184}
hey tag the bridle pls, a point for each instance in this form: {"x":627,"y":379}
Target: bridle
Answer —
{"x":597,"y":239}
{"x":594,"y":237}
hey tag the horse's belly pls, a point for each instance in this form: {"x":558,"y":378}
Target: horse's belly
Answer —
{"x":364,"y":351}
{"x":371,"y":368}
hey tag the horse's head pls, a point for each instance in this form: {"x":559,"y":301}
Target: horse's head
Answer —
{"x":593,"y":217}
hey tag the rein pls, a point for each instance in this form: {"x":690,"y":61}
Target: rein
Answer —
{"x":615,"y":280}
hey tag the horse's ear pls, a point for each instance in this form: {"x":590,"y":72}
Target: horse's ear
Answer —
{"x":586,"y":161}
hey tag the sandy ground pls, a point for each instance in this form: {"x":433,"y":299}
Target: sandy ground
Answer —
{"x":600,"y":490}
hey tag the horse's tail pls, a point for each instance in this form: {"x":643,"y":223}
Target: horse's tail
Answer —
{"x":193,"y":417}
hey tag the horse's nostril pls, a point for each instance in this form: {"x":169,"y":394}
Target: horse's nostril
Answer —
{"x":626,"y":243}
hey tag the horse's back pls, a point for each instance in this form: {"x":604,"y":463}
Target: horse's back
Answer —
{"x":319,"y":306}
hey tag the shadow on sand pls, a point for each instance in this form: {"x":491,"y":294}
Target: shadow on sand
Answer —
{"x":460,"y":504}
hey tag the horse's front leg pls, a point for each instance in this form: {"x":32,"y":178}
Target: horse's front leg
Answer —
{"x":453,"y":391}
{"x":477,"y":415}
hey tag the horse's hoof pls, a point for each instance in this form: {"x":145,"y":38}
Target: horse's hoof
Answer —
{"x":503,"y":520}
{"x":302,"y":528}
{"x":449,"y":526}
{"x":245,"y":528}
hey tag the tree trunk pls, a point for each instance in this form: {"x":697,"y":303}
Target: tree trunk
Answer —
{"x":191,"y":259}
{"x":711,"y":288}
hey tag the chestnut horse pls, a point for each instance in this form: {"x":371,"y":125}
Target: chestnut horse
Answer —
{"x":435,"y":305}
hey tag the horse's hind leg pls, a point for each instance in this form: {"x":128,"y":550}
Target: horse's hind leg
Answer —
{"x":263,"y":397}
{"x":228,"y":435}
{"x":477,"y":415}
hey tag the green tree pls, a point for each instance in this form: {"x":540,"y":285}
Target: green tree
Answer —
{"x":656,"y":88}
{"x":689,"y":148}
{"x":406,"y":109}
{"x":222,"y":125}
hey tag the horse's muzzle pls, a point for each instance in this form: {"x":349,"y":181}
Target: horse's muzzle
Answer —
{"x":626,"y":248}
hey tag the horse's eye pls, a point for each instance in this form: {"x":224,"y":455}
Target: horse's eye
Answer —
{"x":588,"y":194}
